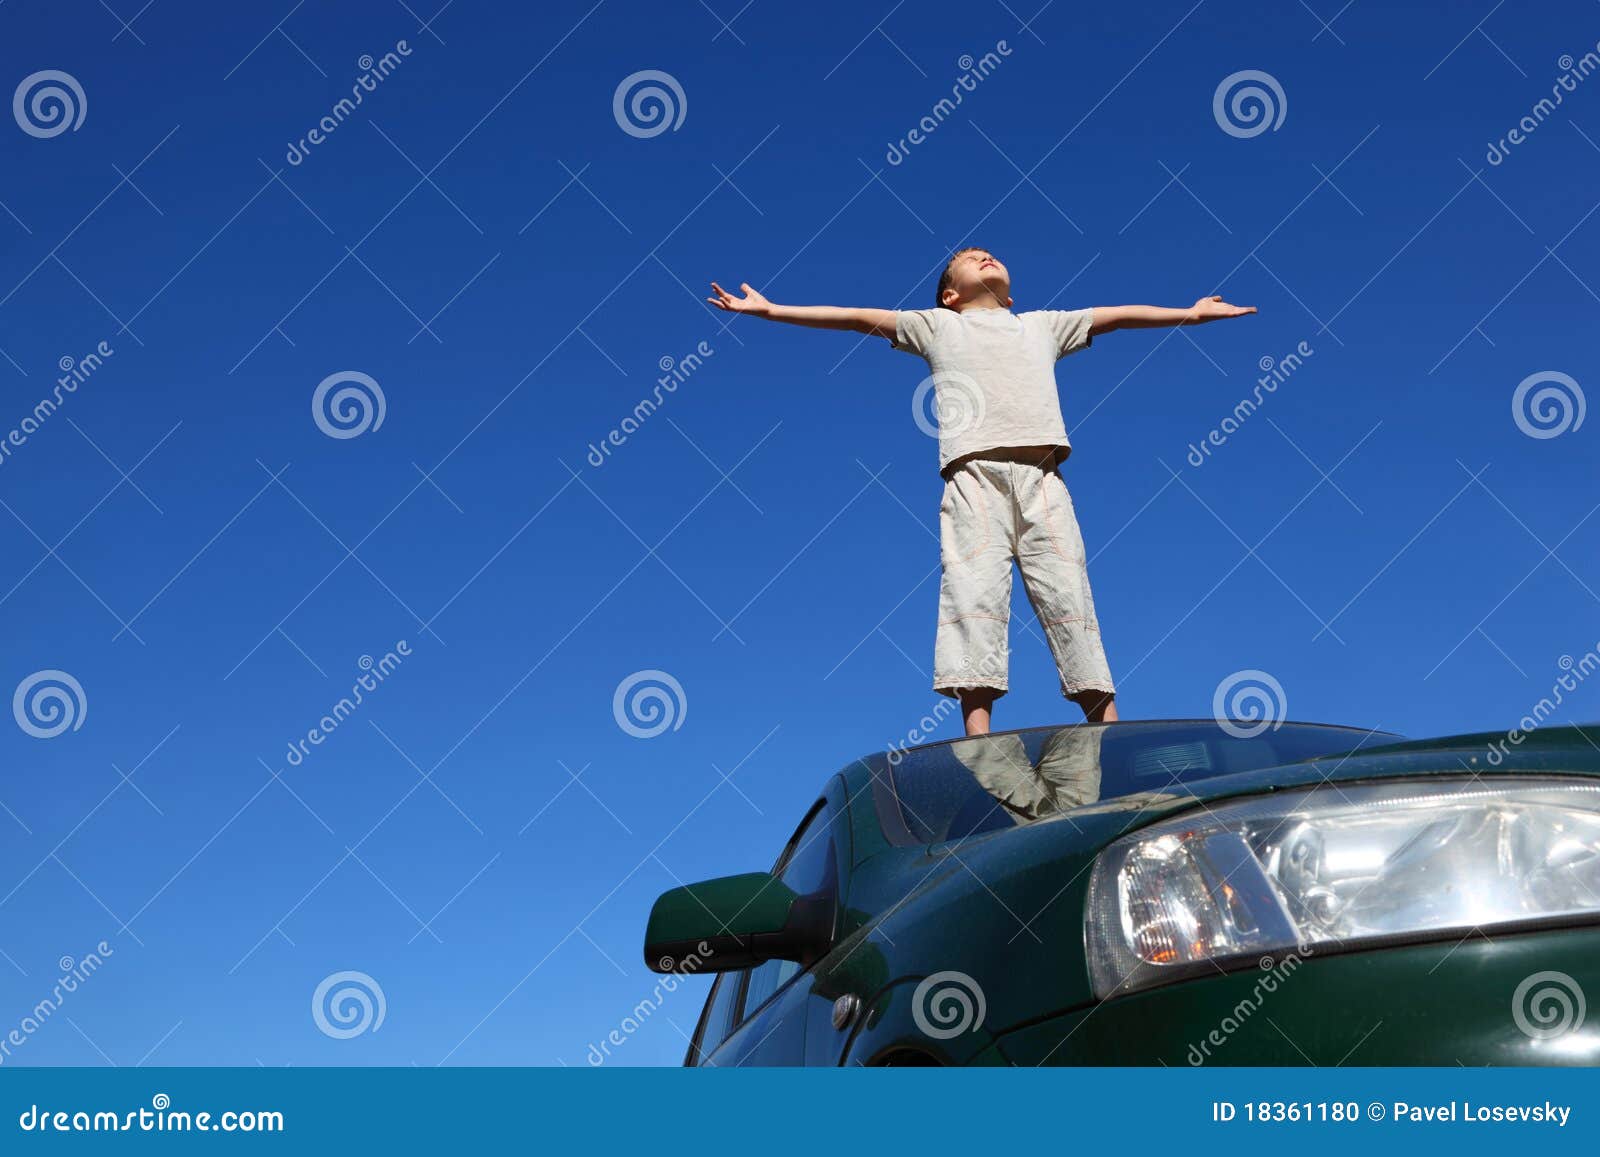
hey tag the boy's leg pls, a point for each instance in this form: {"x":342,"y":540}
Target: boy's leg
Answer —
{"x":1054,"y":569}
{"x":975,"y":545}
{"x":976,"y":705}
{"x":1098,"y":706}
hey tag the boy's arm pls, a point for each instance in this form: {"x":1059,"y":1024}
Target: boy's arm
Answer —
{"x":1110,"y":317}
{"x":879,"y":322}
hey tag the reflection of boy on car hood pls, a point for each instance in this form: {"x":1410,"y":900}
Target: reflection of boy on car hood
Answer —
{"x":1066,"y":776}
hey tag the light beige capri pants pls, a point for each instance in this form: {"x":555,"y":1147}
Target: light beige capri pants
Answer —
{"x":997,"y":509}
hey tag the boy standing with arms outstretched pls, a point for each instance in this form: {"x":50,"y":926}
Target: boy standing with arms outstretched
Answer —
{"x":1004,"y":500}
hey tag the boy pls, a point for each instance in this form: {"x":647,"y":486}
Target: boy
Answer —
{"x":1004,"y":501}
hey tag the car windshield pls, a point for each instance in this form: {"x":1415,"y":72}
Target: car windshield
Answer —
{"x":945,"y":791}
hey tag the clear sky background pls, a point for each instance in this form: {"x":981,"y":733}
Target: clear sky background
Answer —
{"x":485,"y":241}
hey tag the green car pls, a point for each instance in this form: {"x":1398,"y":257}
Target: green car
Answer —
{"x":1177,"y":892}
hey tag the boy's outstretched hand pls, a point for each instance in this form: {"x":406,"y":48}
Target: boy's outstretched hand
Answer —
{"x":1213,"y":308}
{"x":1110,"y":317}
{"x":751,"y":303}
{"x":879,"y":322}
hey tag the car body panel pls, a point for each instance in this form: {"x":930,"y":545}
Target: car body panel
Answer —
{"x":1442,"y":1003}
{"x":775,"y":1034}
{"x":1006,"y":908}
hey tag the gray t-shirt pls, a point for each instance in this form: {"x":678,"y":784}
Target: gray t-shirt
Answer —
{"x":993,"y":380}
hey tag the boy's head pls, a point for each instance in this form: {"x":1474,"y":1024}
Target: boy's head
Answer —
{"x":974,"y":276}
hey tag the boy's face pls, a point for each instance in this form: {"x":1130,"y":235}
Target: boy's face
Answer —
{"x":978,"y":275}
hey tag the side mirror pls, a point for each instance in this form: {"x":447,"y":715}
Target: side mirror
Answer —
{"x":733,"y":922}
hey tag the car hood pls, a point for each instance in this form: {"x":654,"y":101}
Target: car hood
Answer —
{"x":1017,"y":894}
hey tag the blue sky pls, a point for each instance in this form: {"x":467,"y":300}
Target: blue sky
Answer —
{"x":483,"y":239}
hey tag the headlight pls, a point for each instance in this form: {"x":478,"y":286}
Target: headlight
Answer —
{"x":1338,"y":865}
